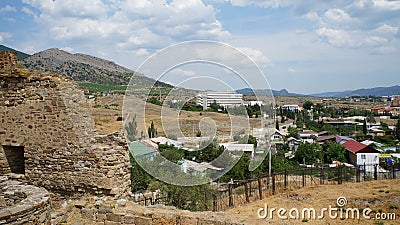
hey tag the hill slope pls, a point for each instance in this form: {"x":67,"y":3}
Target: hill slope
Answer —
{"x":21,"y":55}
{"x":377,"y":91}
{"x":81,"y":67}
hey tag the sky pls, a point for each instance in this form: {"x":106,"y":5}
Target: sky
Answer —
{"x":303,"y":46}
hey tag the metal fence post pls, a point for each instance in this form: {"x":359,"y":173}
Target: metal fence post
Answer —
{"x":358,"y":175}
{"x":304,"y":177}
{"x":246,"y":192}
{"x":321,"y":176}
{"x":375,"y":172}
{"x":286,"y":179}
{"x":273,"y":184}
{"x":394,"y":171}
{"x":340,"y":178}
{"x":230,"y":196}
{"x":260,"y":188}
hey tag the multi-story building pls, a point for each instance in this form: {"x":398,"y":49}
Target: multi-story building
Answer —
{"x":225,"y":99}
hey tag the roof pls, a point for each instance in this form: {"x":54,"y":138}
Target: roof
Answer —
{"x":357,"y":147}
{"x":164,"y":140}
{"x":139,"y":149}
{"x":238,"y":147}
{"x":326,"y":138}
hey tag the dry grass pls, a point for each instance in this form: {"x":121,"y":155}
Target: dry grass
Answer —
{"x":106,"y":119}
{"x":383,"y":195}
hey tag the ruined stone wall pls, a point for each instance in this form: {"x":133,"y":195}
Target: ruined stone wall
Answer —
{"x":8,"y":60}
{"x":48,"y":118}
{"x":23,"y":204}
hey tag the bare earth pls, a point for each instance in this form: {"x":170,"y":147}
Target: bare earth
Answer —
{"x":380,"y":196}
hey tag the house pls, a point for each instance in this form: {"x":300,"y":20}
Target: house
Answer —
{"x":338,"y":123}
{"x":293,"y":144}
{"x":291,"y":107}
{"x":308,"y":136}
{"x":362,"y":155}
{"x":247,"y":148}
{"x":189,"y":166}
{"x":167,"y":141}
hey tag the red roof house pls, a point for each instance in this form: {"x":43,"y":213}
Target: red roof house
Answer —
{"x":360,"y":153}
{"x":357,"y":147}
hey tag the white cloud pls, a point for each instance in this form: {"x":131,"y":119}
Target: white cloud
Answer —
{"x":257,"y":56}
{"x":68,"y":49}
{"x":29,"y":12}
{"x":187,"y":73}
{"x":361,"y":23}
{"x":8,"y":8}
{"x":1,"y":39}
{"x":291,"y":70}
{"x":142,"y":52}
{"x":128,"y":24}
{"x":10,"y":20}
{"x":260,"y":3}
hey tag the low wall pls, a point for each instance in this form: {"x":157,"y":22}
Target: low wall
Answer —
{"x":23,"y":204}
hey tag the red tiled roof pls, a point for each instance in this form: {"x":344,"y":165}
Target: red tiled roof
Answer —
{"x":355,"y":147}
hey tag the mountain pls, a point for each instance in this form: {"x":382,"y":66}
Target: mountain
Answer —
{"x":21,"y":55}
{"x":377,"y":91}
{"x":81,"y":67}
{"x":283,"y":92}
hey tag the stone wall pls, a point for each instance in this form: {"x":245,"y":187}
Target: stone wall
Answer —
{"x":126,"y":212}
{"x":23,"y":204}
{"x":47,"y":116}
{"x":8,"y":60}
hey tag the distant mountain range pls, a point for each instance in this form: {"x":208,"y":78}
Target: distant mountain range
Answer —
{"x":283,"y":92}
{"x":21,"y":55}
{"x":378,"y":91}
{"x":81,"y":67}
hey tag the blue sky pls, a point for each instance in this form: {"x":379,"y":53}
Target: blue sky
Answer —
{"x":303,"y":46}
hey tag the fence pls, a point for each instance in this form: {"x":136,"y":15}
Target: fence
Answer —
{"x":238,"y":193}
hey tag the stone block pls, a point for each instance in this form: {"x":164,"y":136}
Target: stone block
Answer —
{"x":139,"y":220}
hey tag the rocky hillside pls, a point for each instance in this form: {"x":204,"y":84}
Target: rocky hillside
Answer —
{"x":80,"y":67}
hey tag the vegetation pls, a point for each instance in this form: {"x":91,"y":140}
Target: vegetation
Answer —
{"x":152,"y":131}
{"x":130,"y":129}
{"x":93,"y":87}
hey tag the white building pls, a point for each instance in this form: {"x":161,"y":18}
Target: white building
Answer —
{"x":225,"y":99}
{"x":247,"y":148}
{"x":291,"y":107}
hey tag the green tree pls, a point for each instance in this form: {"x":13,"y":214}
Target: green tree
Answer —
{"x":308,"y":153}
{"x":292,"y":132}
{"x":152,"y":131}
{"x":140,"y":179}
{"x":308,"y":104}
{"x":334,"y":152}
{"x":365,"y":130}
{"x":130,"y":129}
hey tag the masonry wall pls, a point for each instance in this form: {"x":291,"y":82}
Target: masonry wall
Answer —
{"x":49,"y":118}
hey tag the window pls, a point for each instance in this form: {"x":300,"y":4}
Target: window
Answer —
{"x":15,"y":159}
{"x":362,"y":156}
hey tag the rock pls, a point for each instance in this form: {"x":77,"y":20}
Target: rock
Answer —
{"x":80,"y":204}
{"x":121,"y":202}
